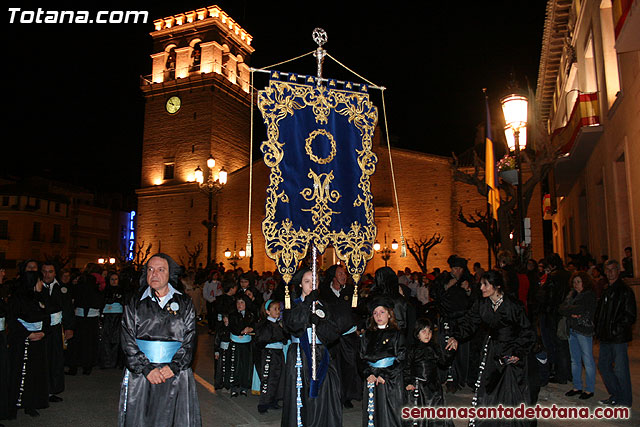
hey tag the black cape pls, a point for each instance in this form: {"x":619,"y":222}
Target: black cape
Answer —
{"x":28,"y":306}
{"x":510,"y":334}
{"x":110,"y":353}
{"x":53,"y":340}
{"x":325,"y":410}
{"x":421,"y":371}
{"x":174,"y":402}
{"x":388,"y":397}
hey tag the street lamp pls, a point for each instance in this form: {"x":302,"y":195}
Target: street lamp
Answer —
{"x":237,"y":256}
{"x":514,"y":108}
{"x":386,"y":252}
{"x":213,"y":185}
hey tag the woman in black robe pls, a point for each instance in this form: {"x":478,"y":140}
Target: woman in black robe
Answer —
{"x":158,"y":338}
{"x":503,"y":374}
{"x":383,"y":352}
{"x":421,"y":373}
{"x":110,"y":353}
{"x":242,"y":323}
{"x":317,"y":402}
{"x":29,"y":386}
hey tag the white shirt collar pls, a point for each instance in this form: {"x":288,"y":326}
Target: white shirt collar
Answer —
{"x":50,"y":285}
{"x":272,"y":319}
{"x":172,"y":291}
{"x":336,"y":291}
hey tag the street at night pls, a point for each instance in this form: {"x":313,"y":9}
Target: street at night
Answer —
{"x":339,"y":214}
{"x":92,"y":401}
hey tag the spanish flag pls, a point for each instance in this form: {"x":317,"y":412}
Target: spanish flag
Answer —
{"x":490,"y":178}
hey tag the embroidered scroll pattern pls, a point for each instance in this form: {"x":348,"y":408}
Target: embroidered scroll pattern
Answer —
{"x":286,"y":244}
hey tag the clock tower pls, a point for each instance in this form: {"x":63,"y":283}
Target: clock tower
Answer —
{"x":197,"y":103}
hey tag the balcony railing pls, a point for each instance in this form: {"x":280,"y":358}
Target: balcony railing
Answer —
{"x":586,"y":112}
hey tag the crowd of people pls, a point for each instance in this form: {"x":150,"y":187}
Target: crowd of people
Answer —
{"x":404,"y":338}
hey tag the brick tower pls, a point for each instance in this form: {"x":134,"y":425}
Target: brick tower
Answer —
{"x":197,"y":103}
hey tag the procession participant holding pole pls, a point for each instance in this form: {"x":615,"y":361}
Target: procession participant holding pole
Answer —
{"x":312,"y":402}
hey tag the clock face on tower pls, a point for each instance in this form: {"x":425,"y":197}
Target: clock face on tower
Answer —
{"x":173,"y":105}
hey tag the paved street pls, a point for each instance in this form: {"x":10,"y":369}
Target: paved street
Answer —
{"x":92,"y":401}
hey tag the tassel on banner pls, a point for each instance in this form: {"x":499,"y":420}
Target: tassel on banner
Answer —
{"x":248,"y":249}
{"x":354,"y":300}
{"x":403,"y":247}
{"x":287,"y":298}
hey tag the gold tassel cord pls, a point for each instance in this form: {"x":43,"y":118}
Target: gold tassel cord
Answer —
{"x":403,"y":249}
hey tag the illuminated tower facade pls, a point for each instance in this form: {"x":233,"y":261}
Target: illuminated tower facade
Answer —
{"x":197,"y":103}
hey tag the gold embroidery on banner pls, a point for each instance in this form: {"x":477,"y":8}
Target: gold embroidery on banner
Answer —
{"x":309,"y":149}
{"x":285,"y":244}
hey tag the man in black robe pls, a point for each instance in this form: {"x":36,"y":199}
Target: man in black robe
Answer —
{"x":53,"y":340}
{"x":158,"y":339}
{"x":337,"y":295}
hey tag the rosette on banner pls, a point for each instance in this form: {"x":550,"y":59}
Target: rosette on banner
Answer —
{"x":319,"y":150}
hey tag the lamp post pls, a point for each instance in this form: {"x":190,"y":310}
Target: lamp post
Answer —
{"x":386,"y":252}
{"x":514,"y":108}
{"x":237,"y":256}
{"x":212,"y":186}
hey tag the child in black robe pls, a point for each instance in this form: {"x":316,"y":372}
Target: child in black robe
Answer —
{"x":270,"y":340}
{"x":241,"y":327}
{"x":382,"y":351}
{"x":421,"y":374}
{"x":221,"y":353}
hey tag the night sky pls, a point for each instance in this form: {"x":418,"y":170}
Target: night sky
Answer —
{"x":74,"y":110}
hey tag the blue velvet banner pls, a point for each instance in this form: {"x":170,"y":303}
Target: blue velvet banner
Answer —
{"x":319,"y":149}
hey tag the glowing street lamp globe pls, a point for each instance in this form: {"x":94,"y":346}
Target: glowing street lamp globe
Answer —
{"x":514,"y":108}
{"x":211,"y":162}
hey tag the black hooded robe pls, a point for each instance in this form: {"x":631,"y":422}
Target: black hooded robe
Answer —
{"x":388,"y":398}
{"x":269,"y":341}
{"x":174,"y":402}
{"x":110,"y":353}
{"x":240,"y":356}
{"x":509,"y":334}
{"x":4,"y":363}
{"x":29,"y":377}
{"x":324,"y":410}
{"x":54,"y":340}
{"x":421,"y":371}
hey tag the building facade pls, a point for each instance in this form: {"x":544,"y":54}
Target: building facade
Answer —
{"x":201,"y":107}
{"x":588,"y":93}
{"x":43,"y":219}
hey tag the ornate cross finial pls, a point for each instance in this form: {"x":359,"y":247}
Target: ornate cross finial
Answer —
{"x":320,"y":37}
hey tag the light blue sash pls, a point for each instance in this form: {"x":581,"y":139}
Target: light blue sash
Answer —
{"x":295,"y":340}
{"x":56,"y":318}
{"x":350,"y":331}
{"x":275,"y":345}
{"x":115,"y":308}
{"x":2,"y":324}
{"x":241,"y":339}
{"x":158,"y":351}
{"x":93,"y":312}
{"x":31,"y":326}
{"x":383,"y":363}
{"x":224,"y":345}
